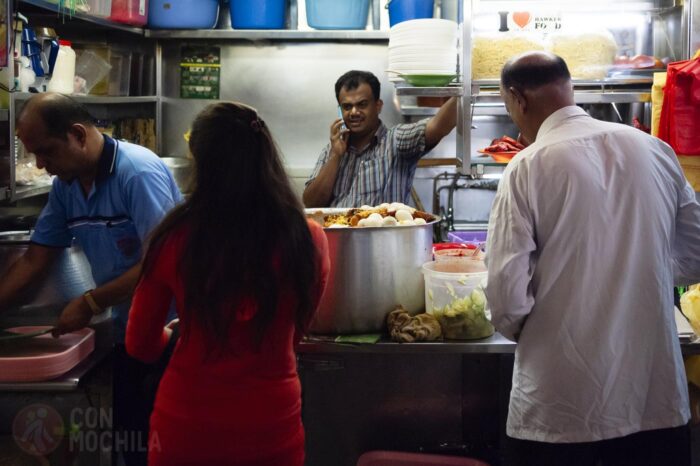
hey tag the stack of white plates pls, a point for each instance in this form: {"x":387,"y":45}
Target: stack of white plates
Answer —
{"x":423,"y":47}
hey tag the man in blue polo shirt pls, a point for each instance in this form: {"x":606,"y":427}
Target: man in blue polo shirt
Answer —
{"x":107,"y":196}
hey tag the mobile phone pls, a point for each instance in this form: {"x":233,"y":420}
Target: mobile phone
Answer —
{"x":340,"y":115}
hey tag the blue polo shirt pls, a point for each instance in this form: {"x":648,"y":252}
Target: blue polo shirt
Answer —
{"x":132,"y":192}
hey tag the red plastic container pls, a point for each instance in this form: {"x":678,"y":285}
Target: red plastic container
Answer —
{"x":454,"y":249}
{"x":133,"y":12}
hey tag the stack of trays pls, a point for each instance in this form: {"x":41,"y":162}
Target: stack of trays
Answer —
{"x":423,"y":52}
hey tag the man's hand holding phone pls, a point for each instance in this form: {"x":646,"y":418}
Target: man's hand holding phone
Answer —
{"x":339,"y":136}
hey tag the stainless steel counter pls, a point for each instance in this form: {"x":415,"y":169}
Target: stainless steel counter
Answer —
{"x":496,"y":344}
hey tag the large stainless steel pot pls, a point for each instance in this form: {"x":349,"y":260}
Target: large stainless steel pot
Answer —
{"x":372,"y":271}
{"x":181,"y":168}
{"x":68,"y":277}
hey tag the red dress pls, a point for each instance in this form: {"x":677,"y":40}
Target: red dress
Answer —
{"x":242,"y":408}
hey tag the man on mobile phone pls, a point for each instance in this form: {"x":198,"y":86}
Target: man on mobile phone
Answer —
{"x":365,"y":162}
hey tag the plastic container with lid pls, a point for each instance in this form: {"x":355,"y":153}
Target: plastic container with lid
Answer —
{"x":133,"y":12}
{"x":63,"y":76}
{"x":447,"y":251}
{"x":404,"y":10}
{"x":183,"y":14}
{"x":99,"y":8}
{"x":258,"y":14}
{"x":337,"y":14}
{"x":454,"y":294}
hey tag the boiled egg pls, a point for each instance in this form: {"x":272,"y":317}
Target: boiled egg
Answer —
{"x":375,"y":217}
{"x":389,"y":221}
{"x":403,"y":214}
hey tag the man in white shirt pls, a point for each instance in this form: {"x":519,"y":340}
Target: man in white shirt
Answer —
{"x":592,"y":225}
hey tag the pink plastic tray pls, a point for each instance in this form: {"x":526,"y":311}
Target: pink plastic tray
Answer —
{"x":395,"y":458}
{"x":43,"y":357}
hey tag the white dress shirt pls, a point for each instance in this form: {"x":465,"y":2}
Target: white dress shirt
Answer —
{"x":586,"y":230}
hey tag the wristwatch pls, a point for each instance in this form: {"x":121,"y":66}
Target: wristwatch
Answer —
{"x":92,"y":304}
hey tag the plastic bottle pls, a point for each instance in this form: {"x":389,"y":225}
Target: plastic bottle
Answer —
{"x":64,"y":69}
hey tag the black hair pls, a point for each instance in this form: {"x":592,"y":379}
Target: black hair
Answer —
{"x":248,"y":238}
{"x":352,"y":80}
{"x":528,"y":74}
{"x":59,"y":113}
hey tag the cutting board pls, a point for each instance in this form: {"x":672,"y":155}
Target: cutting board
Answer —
{"x":43,"y":357}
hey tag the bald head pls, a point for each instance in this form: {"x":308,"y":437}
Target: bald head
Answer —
{"x":531,"y":70}
{"x":56,"y":112}
{"x":534,"y":85}
{"x":62,"y":136}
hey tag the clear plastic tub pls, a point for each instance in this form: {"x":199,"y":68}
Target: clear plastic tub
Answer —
{"x":451,"y":251}
{"x":120,"y":75}
{"x":454,"y":294}
{"x":90,"y":69}
{"x":99,"y":8}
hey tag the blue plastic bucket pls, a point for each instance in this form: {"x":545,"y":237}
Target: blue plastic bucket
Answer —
{"x":337,"y":14}
{"x":258,"y":14}
{"x":183,"y":14}
{"x":403,"y":10}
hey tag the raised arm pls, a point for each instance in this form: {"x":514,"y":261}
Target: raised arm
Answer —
{"x":441,"y":124}
{"x":319,"y":190}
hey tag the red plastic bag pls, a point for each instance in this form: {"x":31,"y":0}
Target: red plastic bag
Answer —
{"x":680,"y":113}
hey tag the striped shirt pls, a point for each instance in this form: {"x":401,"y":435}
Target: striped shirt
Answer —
{"x":382,"y":171}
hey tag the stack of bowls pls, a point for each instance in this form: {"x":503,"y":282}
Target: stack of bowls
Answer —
{"x":424,"y":51}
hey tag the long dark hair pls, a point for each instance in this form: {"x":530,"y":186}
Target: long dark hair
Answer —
{"x":248,"y":233}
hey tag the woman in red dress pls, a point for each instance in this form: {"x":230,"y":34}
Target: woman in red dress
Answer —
{"x":246,"y":271}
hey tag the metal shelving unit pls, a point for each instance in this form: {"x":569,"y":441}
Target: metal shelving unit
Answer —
{"x":275,"y":34}
{"x":460,"y":89}
{"x":604,"y":91}
{"x":413,"y":110}
{"x":449,"y":91}
{"x":581,"y":97}
{"x":96,"y":99}
{"x":101,"y":105}
{"x":83,"y":16}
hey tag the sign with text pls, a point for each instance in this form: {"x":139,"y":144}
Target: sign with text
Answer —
{"x":200,"y":72}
